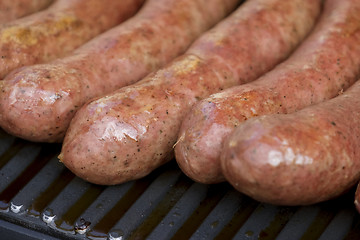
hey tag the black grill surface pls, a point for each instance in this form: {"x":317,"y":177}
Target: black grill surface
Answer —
{"x":41,"y":199}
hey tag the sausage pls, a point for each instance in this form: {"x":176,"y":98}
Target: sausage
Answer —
{"x":11,"y":10}
{"x":300,"y":158}
{"x":326,"y":62}
{"x":58,"y":30}
{"x":38,"y":102}
{"x":126,"y":134}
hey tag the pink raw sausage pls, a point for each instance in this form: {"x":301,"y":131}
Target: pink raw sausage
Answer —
{"x":58,"y":30}
{"x":38,"y":102}
{"x":325,"y":63}
{"x":127,"y":134}
{"x":300,"y":158}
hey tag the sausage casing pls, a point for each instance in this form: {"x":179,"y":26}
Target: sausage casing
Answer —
{"x":45,"y":97}
{"x":58,"y":30}
{"x":301,"y":158}
{"x":127,"y":134}
{"x":324,"y":64}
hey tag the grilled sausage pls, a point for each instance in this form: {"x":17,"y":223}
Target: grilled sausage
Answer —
{"x":300,"y":158}
{"x":11,"y":10}
{"x":46,"y":96}
{"x":58,"y":30}
{"x":326,"y":62}
{"x":127,"y":134}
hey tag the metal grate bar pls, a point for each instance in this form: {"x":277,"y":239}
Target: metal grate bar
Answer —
{"x":167,"y":203}
{"x":213,"y":197}
{"x":28,"y":173}
{"x":164,"y":205}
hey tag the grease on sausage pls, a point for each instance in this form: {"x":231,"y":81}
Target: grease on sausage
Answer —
{"x":45,"y":97}
{"x":326,"y":62}
{"x":300,"y":158}
{"x":127,"y":134}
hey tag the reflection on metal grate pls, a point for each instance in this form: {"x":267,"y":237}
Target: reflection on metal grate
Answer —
{"x":39,"y":197}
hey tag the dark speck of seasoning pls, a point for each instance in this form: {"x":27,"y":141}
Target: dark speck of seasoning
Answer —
{"x":48,"y":76}
{"x":333,"y":123}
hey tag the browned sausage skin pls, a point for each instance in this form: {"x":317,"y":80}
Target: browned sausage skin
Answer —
{"x":46,"y":96}
{"x":326,"y":62}
{"x":10,"y":10}
{"x":301,"y":158}
{"x":58,"y":30}
{"x":127,"y":134}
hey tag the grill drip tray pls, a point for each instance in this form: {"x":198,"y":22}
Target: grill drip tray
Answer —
{"x":41,"y":199}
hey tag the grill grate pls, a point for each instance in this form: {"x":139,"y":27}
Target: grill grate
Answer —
{"x":41,"y":199}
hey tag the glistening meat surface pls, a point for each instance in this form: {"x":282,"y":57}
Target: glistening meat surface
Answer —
{"x":127,"y":134}
{"x":38,"y":102}
{"x":297,"y":159}
{"x":324,"y":64}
